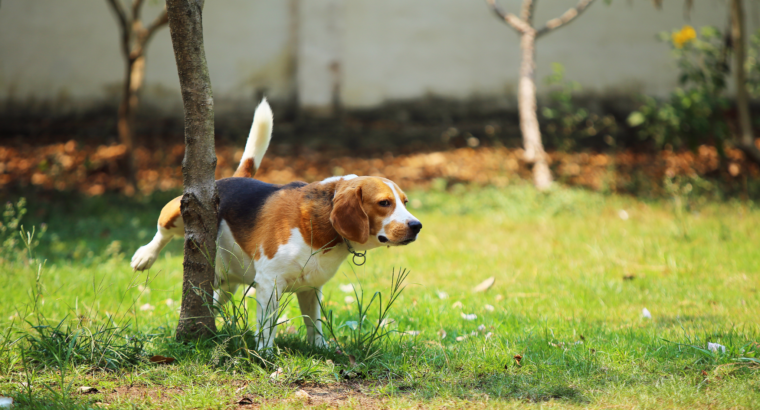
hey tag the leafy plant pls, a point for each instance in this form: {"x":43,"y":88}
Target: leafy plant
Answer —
{"x":752,"y":65}
{"x":362,"y":334}
{"x":688,"y":194}
{"x":10,"y":229}
{"x":84,"y":341}
{"x":8,"y":355}
{"x":104,"y":346}
{"x":237,"y":343}
{"x":565,"y":123}
{"x":693,"y":114}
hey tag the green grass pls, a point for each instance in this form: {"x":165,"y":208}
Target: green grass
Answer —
{"x":572,"y":278}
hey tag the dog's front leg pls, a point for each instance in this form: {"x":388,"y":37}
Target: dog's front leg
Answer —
{"x":308,"y":300}
{"x":267,"y":312}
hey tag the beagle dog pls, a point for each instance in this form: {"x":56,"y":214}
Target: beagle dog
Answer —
{"x":289,"y":238}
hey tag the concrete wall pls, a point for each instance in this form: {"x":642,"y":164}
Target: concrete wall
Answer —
{"x":65,"y":52}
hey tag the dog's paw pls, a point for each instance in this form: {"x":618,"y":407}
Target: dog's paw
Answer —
{"x":143,"y":258}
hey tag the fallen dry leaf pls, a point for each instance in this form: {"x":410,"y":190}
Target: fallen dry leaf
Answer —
{"x":158,"y":359}
{"x":276,"y":374}
{"x":348,"y":374}
{"x":88,"y":168}
{"x":433,"y":343}
{"x":518,"y":359}
{"x":87,"y":390}
{"x":485,"y":285}
{"x":245,"y":401}
{"x":352,"y":360}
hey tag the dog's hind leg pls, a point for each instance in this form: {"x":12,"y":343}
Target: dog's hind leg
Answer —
{"x":308,"y":300}
{"x":224,"y":292}
{"x":170,"y":224}
{"x":267,"y":312}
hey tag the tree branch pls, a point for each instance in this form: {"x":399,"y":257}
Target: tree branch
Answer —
{"x":124,"y":25}
{"x":513,"y":21}
{"x":119,"y":10}
{"x":566,"y":18}
{"x":143,"y":35}
{"x":159,"y":22}
{"x":136,"y":8}
{"x":526,"y":14}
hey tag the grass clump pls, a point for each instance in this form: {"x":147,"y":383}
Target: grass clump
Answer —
{"x":103,"y":346}
{"x":363,"y":334}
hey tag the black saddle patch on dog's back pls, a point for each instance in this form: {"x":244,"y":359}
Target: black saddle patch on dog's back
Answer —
{"x":241,"y":199}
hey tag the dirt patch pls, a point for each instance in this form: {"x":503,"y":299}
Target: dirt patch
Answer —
{"x":156,"y":394}
{"x":334,"y":395}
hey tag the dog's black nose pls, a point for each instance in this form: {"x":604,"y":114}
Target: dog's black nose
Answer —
{"x":415,"y":226}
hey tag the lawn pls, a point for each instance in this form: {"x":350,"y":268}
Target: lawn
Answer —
{"x":562,"y":326}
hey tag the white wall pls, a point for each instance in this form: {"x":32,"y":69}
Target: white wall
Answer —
{"x":66,"y":52}
{"x":398,"y":49}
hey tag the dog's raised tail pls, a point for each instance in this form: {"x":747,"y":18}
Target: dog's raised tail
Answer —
{"x":258,"y":141}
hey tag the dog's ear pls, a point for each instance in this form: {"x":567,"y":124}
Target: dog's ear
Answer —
{"x":347,"y":216}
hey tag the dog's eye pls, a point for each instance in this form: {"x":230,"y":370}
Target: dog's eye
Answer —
{"x":384,"y":203}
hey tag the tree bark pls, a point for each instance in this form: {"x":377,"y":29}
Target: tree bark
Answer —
{"x":133,"y":77}
{"x":124,"y":125}
{"x":526,"y":101}
{"x":134,"y":40}
{"x":200,"y":201}
{"x":746,"y":141}
{"x":526,"y":93}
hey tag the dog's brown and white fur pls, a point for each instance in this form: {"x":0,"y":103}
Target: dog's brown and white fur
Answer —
{"x":290,"y":238}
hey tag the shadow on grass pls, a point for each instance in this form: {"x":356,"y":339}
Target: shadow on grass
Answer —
{"x":47,"y":400}
{"x":80,"y":227}
{"x":533,"y":388}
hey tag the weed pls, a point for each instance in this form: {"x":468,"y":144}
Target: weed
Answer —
{"x":103,"y":346}
{"x":236,"y":342}
{"x":363,"y":333}
{"x":689,"y":194}
{"x":694,"y":113}
{"x":566,"y":124}
{"x":11,"y":228}
{"x":8,"y":355}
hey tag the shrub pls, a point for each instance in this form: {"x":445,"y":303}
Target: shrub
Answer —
{"x":693,"y":114}
{"x":565,"y":123}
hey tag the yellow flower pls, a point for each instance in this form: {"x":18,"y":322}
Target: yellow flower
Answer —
{"x":686,"y":34}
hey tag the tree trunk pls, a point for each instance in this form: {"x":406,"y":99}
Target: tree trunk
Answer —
{"x":200,"y":201}
{"x":746,"y":137}
{"x":125,"y":122}
{"x":526,"y":100}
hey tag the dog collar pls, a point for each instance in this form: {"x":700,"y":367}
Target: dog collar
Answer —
{"x":361,"y":255}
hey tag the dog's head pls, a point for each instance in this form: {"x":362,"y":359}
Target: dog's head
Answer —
{"x":371,"y":212}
